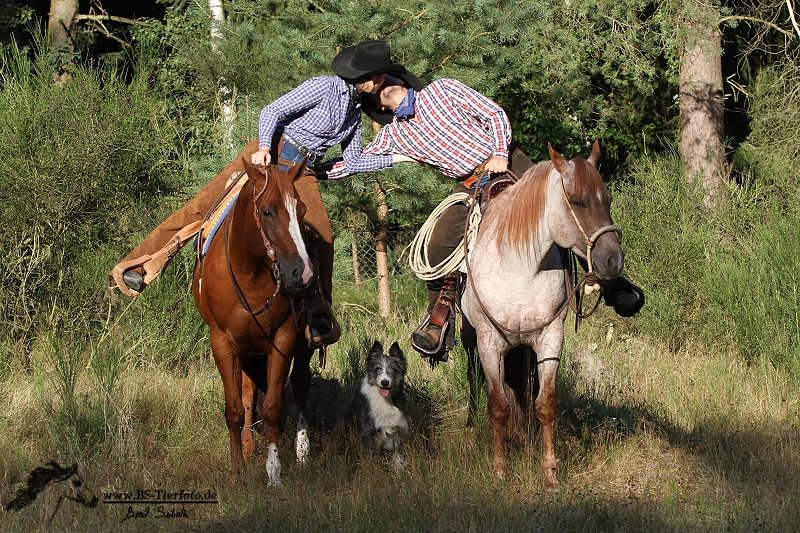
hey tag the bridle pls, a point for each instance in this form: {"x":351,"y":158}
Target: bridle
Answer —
{"x":271,"y":255}
{"x":590,"y":241}
{"x":588,"y":277}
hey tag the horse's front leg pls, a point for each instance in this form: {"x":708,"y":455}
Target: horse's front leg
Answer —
{"x":301,"y":384}
{"x":226,"y":357}
{"x":548,"y":356}
{"x":278,"y":363}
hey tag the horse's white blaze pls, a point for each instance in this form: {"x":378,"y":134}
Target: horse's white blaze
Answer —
{"x":273,"y":465}
{"x":297,"y":237}
{"x":302,"y":443}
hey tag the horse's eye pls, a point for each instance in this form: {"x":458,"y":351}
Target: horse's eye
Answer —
{"x":267,"y":213}
{"x":580,"y":204}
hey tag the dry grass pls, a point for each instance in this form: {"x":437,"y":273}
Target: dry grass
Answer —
{"x":648,"y":440}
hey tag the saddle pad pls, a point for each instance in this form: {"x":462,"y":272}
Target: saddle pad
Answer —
{"x":215,"y":219}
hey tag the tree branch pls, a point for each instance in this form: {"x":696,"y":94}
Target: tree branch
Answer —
{"x":406,"y":23}
{"x":761,"y":21}
{"x":103,"y":18}
{"x":791,"y":16}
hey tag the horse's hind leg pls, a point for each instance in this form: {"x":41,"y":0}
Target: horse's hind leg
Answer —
{"x":301,"y":384}
{"x":248,"y":402}
{"x":226,"y":357}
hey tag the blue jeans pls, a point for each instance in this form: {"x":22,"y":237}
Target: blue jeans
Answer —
{"x":290,"y":153}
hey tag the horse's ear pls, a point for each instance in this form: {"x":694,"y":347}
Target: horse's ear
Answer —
{"x":297,"y":171}
{"x":561,"y":164}
{"x":595,"y":156}
{"x":258,"y":177}
{"x":395,"y":351}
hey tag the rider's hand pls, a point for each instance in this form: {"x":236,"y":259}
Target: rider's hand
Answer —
{"x":497,"y":165}
{"x":261,"y":158}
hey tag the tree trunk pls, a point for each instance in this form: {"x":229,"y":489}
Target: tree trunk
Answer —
{"x":225,"y":92}
{"x":60,"y":24}
{"x":381,"y":256}
{"x":702,"y":140}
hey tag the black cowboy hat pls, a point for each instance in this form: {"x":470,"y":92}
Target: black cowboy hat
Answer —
{"x":365,"y":59}
{"x":370,"y":106}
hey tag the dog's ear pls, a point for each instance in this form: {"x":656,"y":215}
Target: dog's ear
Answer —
{"x":395,"y":351}
{"x":376,"y":347}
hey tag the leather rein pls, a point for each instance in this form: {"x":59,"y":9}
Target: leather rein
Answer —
{"x":573,"y":290}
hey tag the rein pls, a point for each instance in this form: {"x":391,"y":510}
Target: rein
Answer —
{"x":572,"y":290}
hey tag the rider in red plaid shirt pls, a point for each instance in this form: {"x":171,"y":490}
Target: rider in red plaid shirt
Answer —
{"x":453,"y":128}
{"x":456,"y":129}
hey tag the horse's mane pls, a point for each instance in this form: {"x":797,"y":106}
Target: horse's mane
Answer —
{"x":513,"y":217}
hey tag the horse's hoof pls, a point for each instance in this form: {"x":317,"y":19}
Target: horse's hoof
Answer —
{"x":273,"y":466}
{"x":550,"y":479}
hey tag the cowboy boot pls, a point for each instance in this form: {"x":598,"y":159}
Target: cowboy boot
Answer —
{"x":427,"y":338}
{"x":322,"y":328}
{"x":129,"y":282}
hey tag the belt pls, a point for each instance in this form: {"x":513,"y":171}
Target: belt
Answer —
{"x":305,"y":152}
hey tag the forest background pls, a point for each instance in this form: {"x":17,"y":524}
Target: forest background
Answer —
{"x":109,"y":127}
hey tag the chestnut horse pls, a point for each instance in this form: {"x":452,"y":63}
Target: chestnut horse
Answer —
{"x":516,"y":293}
{"x":240,"y":288}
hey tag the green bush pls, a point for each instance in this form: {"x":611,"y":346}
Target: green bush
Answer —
{"x":80,"y":165}
{"x":727,"y":278}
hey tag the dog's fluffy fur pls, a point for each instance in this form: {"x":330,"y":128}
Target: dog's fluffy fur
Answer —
{"x":379,"y":401}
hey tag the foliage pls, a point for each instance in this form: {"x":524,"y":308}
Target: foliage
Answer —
{"x":109,"y":156}
{"x":727,"y":278}
{"x":79,"y":163}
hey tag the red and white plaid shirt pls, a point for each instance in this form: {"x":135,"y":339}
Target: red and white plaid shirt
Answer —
{"x":455,"y":128}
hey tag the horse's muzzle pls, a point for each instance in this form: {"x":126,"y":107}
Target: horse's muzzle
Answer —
{"x":297,"y":275}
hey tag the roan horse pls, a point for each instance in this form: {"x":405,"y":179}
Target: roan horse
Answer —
{"x":516,"y":293}
{"x":252,"y":320}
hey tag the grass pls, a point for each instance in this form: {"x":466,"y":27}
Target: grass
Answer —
{"x":648,"y":439}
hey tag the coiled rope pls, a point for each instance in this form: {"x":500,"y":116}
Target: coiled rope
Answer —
{"x":418,"y":257}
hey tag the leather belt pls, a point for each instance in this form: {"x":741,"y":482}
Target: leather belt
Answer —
{"x":302,"y":150}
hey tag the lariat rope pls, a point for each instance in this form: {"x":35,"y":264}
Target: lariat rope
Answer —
{"x":417,"y":255}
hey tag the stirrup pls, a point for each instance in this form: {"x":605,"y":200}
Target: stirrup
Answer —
{"x":319,"y":341}
{"x":439,"y":352}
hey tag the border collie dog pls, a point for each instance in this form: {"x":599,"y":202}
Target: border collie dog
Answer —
{"x":379,"y":401}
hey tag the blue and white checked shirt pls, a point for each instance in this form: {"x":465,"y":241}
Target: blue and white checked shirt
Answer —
{"x":319,"y":114}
